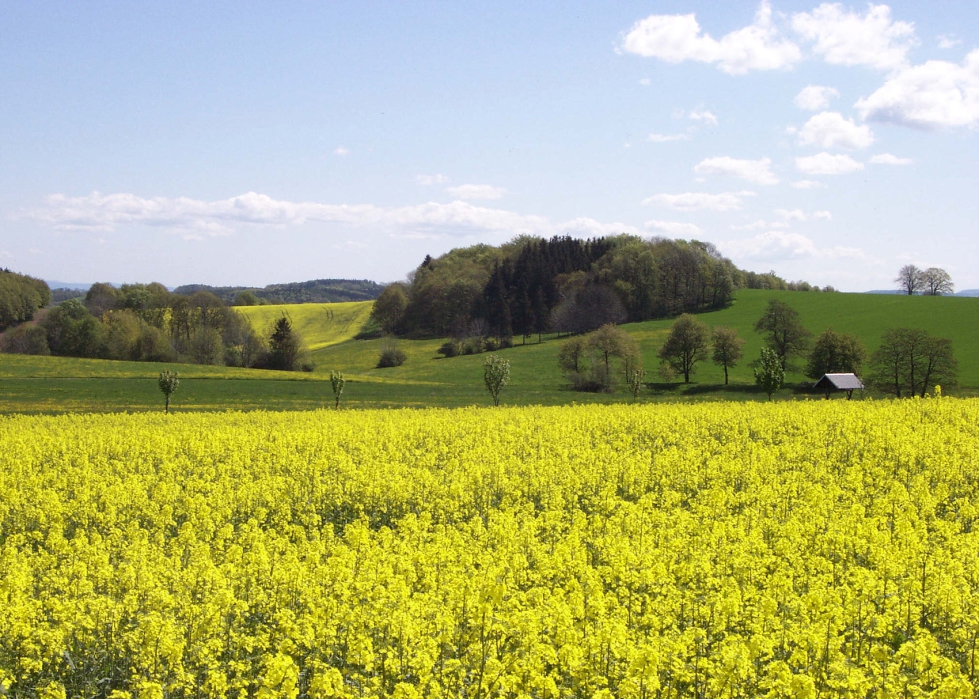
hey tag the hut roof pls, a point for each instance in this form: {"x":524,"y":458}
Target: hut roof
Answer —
{"x":841,"y":382}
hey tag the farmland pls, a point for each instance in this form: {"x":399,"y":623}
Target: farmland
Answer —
{"x":56,"y":384}
{"x":806,"y":549}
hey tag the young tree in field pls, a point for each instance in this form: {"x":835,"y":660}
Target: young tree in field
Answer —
{"x":635,"y":379}
{"x":685,"y":346}
{"x":935,"y":281}
{"x":728,"y":348}
{"x":610,"y":341}
{"x":787,"y":336}
{"x":769,"y":373}
{"x":835,"y":353}
{"x":168,"y":384}
{"x":337,"y":382}
{"x":909,"y":361}
{"x":909,"y":279}
{"x":571,"y":356}
{"x":496,"y":375}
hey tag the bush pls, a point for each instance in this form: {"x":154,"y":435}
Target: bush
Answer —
{"x":472,"y":345}
{"x":450,"y":349}
{"x":391,"y":356}
{"x":491,"y":344}
{"x":26,"y":339}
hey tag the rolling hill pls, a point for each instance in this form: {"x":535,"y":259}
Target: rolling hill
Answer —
{"x":55,"y":384}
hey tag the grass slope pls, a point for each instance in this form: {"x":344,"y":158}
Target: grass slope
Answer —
{"x":320,"y":324}
{"x":52,"y":384}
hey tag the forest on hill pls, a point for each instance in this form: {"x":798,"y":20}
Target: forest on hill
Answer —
{"x":312,"y":291}
{"x":532,"y":285}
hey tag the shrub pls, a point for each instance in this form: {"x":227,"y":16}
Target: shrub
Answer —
{"x":26,"y":339}
{"x":452,"y":348}
{"x":472,"y":345}
{"x":391,"y":356}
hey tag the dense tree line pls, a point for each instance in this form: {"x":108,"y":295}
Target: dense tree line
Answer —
{"x":313,"y":291}
{"x":146,"y":322}
{"x":20,"y":298}
{"x":567,"y":285}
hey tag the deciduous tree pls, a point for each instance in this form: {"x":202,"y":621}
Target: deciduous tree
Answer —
{"x":909,"y":361}
{"x":909,"y":279}
{"x":835,"y":353}
{"x":935,"y":281}
{"x":686,"y":345}
{"x":728,"y":348}
{"x":787,"y":336}
{"x":496,"y":375}
{"x":769,"y":374}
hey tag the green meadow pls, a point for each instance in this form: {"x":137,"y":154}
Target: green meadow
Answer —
{"x":54,"y":384}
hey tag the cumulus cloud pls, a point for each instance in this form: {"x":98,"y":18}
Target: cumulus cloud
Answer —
{"x":815,"y":97}
{"x":757,"y":171}
{"x":698,"y":201}
{"x":194,"y":218}
{"x":948,"y":41}
{"x":758,"y":225}
{"x":703,"y":116}
{"x":341,"y":151}
{"x":774,"y":246}
{"x":831,"y":130}
{"x":789,"y":215}
{"x":678,"y":38}
{"x":827,"y":164}
{"x":665,"y":138}
{"x":853,"y":39}
{"x":888,"y":159}
{"x":931,"y":95}
{"x":677,"y":229}
{"x":471,"y":192}
{"x":427,"y":180}
{"x":806,"y":184}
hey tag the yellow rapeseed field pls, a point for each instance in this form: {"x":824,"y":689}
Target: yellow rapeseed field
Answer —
{"x":806,"y":549}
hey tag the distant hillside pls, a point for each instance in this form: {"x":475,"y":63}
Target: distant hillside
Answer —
{"x":313,"y":291}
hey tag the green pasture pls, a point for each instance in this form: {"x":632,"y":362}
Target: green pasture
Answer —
{"x":54,"y":384}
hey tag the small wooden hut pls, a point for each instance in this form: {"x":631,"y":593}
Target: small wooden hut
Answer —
{"x":839,"y":382}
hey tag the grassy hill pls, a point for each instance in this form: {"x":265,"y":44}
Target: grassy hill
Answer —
{"x":50,"y":384}
{"x":320,"y":324}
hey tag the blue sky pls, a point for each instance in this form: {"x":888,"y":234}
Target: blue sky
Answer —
{"x":239,"y":143}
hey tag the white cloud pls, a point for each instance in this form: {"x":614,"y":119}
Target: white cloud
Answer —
{"x":195,"y":218}
{"x":646,"y":82}
{"x":930,"y":95}
{"x":676,"y":229}
{"x":757,"y":171}
{"x":678,"y":38}
{"x":888,"y":159}
{"x":757,"y":225}
{"x":666,"y":138}
{"x":704,"y":116}
{"x":851,"y":39}
{"x":807,"y":184}
{"x":696,"y":201}
{"x":341,"y":151}
{"x":831,"y":130}
{"x":469,"y":192}
{"x":827,"y":164}
{"x":426,"y":180}
{"x":788,"y":215}
{"x":774,"y":246}
{"x":815,"y":97}
{"x":948,"y":41}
